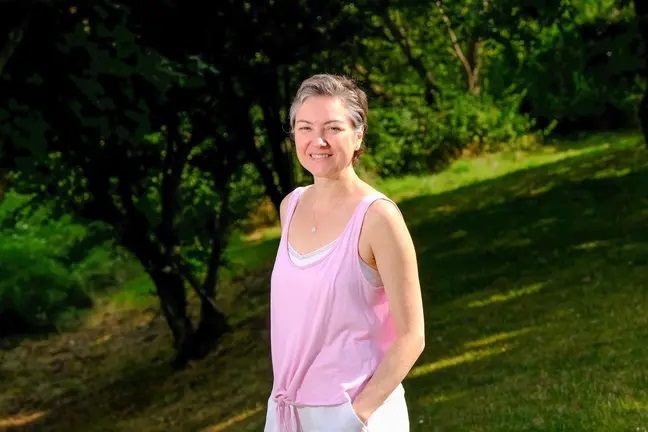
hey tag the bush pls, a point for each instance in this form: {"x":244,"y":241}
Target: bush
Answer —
{"x":36,"y":288}
{"x":51,"y":267}
{"x":417,"y":139}
{"x":582,"y":75}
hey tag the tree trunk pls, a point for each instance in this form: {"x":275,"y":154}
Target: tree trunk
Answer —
{"x":272,"y":189}
{"x":211,"y":328}
{"x":641,"y":10}
{"x":4,"y":183}
{"x":469,"y":60}
{"x":474,"y":61}
{"x":243,"y":134}
{"x":170,"y":289}
{"x":245,"y":128}
{"x":169,"y":286}
{"x":280,"y":148}
{"x":281,"y":157}
{"x":213,"y":323}
{"x":399,"y":33}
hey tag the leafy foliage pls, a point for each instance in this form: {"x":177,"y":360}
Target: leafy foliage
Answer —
{"x":51,"y":266}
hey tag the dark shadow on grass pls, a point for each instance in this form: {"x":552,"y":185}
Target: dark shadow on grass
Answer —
{"x":117,"y":396}
{"x":502,"y":228}
{"x":149,"y":384}
{"x":516,"y":236}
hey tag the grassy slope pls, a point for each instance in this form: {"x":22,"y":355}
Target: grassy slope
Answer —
{"x":534,"y":270}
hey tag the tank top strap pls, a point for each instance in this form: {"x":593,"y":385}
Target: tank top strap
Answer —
{"x":357,"y":220}
{"x":292,"y":205}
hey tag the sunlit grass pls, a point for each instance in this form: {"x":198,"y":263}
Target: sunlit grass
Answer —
{"x":137,"y":293}
{"x":234,"y":420}
{"x":20,"y":420}
{"x":467,"y":357}
{"x":466,"y":172}
{"x":509,"y":295}
{"x":488,"y":340}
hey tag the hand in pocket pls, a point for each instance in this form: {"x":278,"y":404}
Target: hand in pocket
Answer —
{"x":355,"y":423}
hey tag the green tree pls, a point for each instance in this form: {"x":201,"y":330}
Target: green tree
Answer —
{"x":120,"y":134}
{"x":261,"y":51}
{"x":162,"y":138}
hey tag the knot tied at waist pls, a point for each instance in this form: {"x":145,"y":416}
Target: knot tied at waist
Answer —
{"x":287,"y":415}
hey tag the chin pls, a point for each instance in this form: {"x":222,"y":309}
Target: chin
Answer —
{"x":323,"y":170}
{"x":324,"y":173}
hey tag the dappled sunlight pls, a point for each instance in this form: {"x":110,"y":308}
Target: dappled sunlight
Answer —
{"x":21,"y":420}
{"x":470,"y":172}
{"x":612,"y":172}
{"x":499,"y":337}
{"x":444,"y":209}
{"x":591,"y":245}
{"x":261,"y":234}
{"x":540,"y":190}
{"x":441,"y":398}
{"x":545,"y":222}
{"x":561,"y":170}
{"x":509,"y":295}
{"x":233,"y":420}
{"x":632,"y":405}
{"x":458,"y":234}
{"x":467,"y":357}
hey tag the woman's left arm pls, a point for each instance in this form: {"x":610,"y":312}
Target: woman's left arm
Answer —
{"x":393,"y":250}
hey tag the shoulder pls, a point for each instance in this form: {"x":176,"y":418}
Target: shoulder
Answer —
{"x":388,"y":236}
{"x":285,"y":202}
{"x":384,"y":214}
{"x":284,"y":205}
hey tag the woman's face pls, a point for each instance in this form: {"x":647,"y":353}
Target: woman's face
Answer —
{"x":325,"y":138}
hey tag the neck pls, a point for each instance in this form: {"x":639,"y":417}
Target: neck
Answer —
{"x":327,"y":189}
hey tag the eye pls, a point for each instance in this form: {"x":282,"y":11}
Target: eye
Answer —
{"x":304,"y":128}
{"x":335,"y":128}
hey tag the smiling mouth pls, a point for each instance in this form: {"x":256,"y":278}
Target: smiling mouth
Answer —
{"x":320,"y":155}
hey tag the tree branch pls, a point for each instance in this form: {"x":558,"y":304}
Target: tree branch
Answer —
{"x":433,"y":91}
{"x":470,"y":68}
{"x":218,"y":230}
{"x":377,"y":89}
{"x":184,"y":269}
{"x":175,"y":158}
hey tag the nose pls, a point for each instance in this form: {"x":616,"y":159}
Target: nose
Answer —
{"x":321,"y":142}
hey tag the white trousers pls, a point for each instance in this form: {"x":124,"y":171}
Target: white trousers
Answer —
{"x":391,"y":416}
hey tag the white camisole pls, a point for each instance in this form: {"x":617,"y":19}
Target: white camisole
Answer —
{"x":369,"y":272}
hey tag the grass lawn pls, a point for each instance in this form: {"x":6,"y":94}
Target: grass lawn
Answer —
{"x":534,"y":268}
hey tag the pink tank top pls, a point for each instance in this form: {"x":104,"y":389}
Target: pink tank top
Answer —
{"x":329,"y":326}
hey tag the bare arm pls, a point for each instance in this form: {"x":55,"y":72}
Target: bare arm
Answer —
{"x":393,"y":249}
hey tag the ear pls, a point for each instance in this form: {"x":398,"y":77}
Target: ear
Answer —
{"x":359,"y":136}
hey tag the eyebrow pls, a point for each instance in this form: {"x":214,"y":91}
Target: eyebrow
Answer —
{"x":326,"y":122}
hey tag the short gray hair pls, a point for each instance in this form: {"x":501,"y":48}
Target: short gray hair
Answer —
{"x":353,"y":97}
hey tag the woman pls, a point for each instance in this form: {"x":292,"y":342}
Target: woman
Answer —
{"x":346,"y":309}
